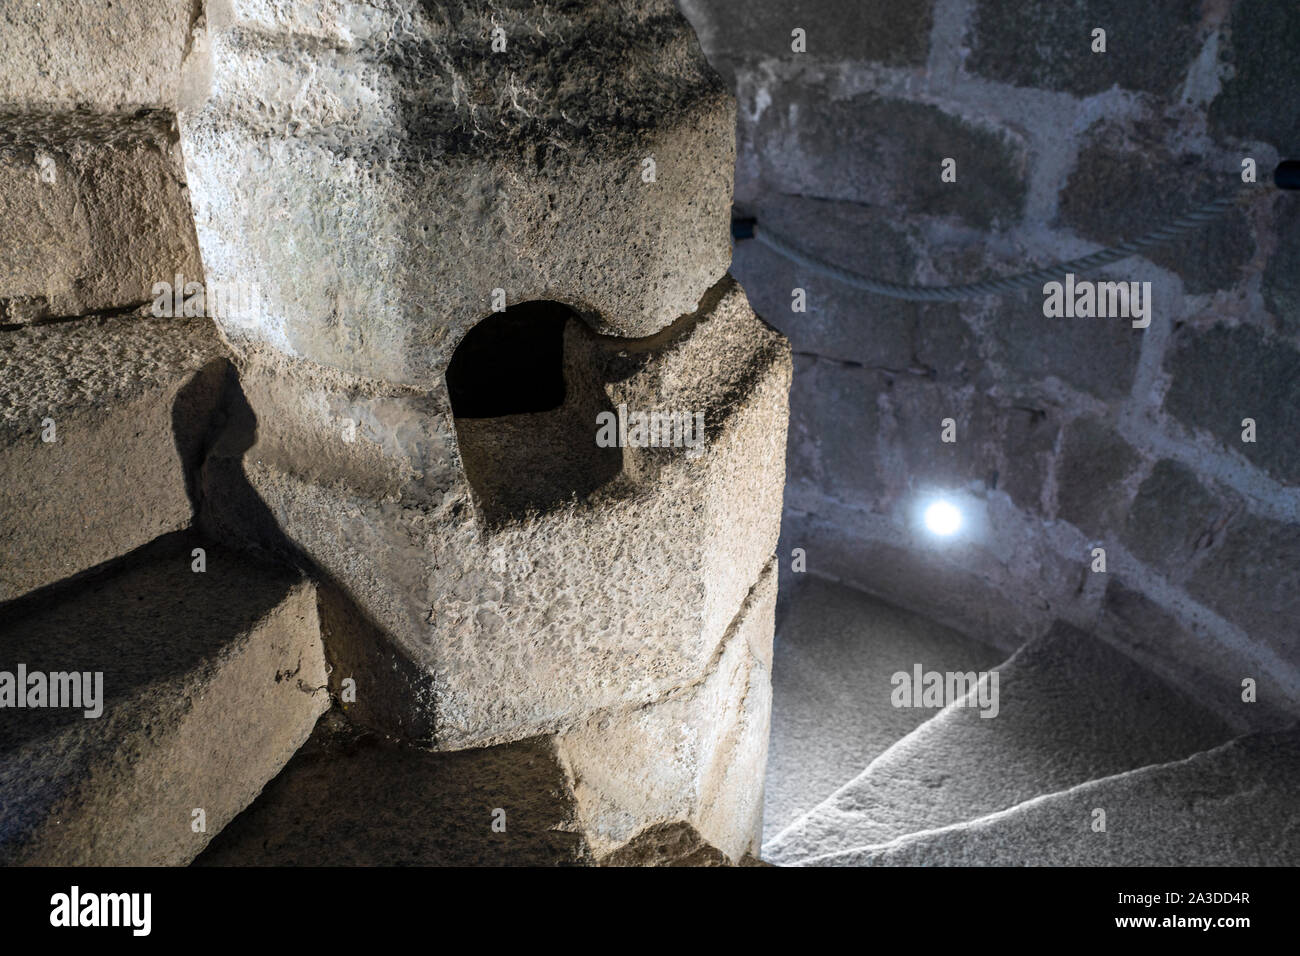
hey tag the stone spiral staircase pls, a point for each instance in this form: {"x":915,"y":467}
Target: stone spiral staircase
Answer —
{"x":855,"y":781}
{"x":181,"y":512}
{"x":340,"y":613}
{"x":217,"y":692}
{"x":217,"y":719}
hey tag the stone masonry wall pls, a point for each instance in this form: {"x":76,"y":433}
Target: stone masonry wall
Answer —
{"x":1072,"y":433}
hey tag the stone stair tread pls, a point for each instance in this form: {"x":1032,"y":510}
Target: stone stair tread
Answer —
{"x":130,"y":399}
{"x":351,"y":797}
{"x":834,"y":644}
{"x":1071,"y":709}
{"x":210,"y":682}
{"x":1233,"y":805}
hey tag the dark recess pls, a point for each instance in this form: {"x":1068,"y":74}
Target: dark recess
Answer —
{"x":511,"y":363}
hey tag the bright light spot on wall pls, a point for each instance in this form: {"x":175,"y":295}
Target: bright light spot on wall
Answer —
{"x":943,"y":518}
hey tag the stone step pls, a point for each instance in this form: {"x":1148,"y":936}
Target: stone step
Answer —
{"x":1069,"y":709}
{"x":205,"y":684}
{"x":353,"y":797}
{"x":102,"y":425}
{"x":93,"y":60}
{"x":1234,"y":805}
{"x":93,"y":213}
{"x":836,"y":649}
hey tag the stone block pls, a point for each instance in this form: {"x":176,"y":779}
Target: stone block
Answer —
{"x":1001,"y":589}
{"x":835,"y":653}
{"x":351,"y":797}
{"x":1253,"y":580}
{"x":886,"y":152}
{"x":1232,"y":806}
{"x":93,"y":213}
{"x":911,"y":446}
{"x":210,"y":681}
{"x":1281,"y":284}
{"x":673,"y":844}
{"x":833,"y":424}
{"x":83,"y":54}
{"x":1029,"y":438}
{"x":1175,"y":518}
{"x":415,"y":171}
{"x":1095,"y":356}
{"x":1261,"y":72}
{"x":1204,"y":663}
{"x":1223,"y":375}
{"x":1095,"y":477}
{"x":735,"y":33}
{"x":1148,"y":48}
{"x":697,"y":757}
{"x":627,"y":786}
{"x":841,"y":322}
{"x":131,"y":400}
{"x":959,"y":766}
{"x":874,"y":440}
{"x":1118,"y":192}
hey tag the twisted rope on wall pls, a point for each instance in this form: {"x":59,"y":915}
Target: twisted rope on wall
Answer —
{"x":1173,"y":230}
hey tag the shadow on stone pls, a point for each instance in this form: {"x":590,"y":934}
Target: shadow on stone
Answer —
{"x":356,"y":647}
{"x":352,"y":798}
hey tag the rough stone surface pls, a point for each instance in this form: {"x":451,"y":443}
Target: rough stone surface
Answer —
{"x":131,"y":399}
{"x":736,"y":31}
{"x":1261,"y":36}
{"x":990,"y":586}
{"x":1098,"y":357}
{"x":417,"y":171}
{"x":697,"y":757}
{"x":836,"y":650}
{"x":840,"y":322}
{"x":1029,"y":439}
{"x":1233,"y":806}
{"x":840,"y":464}
{"x":1070,"y":416}
{"x":1281,"y":284}
{"x":84,"y":54}
{"x":1068,"y":709}
{"x":1223,"y":375}
{"x":810,"y":142}
{"x":1148,"y":48}
{"x":913,"y":455}
{"x":670,"y":844}
{"x":1096,"y":473}
{"x":210,"y":682}
{"x":1120,"y":190}
{"x":1208,"y":667}
{"x":1253,"y":579}
{"x":523,"y":622}
{"x":873,"y":439}
{"x":350,"y":797}
{"x":93,"y":213}
{"x":595,"y":621}
{"x":1174,"y":519}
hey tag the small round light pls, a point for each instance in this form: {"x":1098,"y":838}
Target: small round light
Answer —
{"x":943,"y":518}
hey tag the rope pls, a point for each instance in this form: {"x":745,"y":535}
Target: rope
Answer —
{"x":1171,"y":231}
